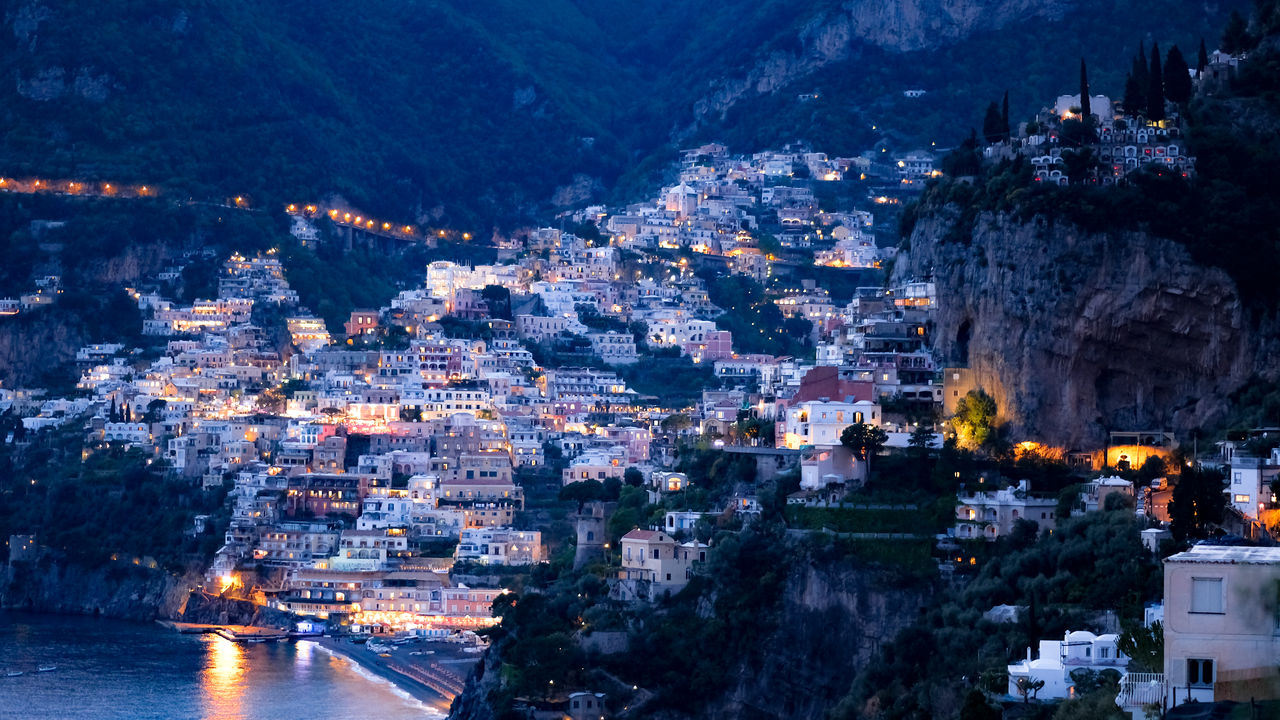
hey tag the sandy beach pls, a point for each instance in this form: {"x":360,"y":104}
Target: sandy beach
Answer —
{"x":434,"y":675}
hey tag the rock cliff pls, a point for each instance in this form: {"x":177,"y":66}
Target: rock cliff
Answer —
{"x":832,"y":623}
{"x":900,"y":27}
{"x":1076,"y":334}
{"x":831,"y":620}
{"x":124,"y":591}
{"x":119,"y":591}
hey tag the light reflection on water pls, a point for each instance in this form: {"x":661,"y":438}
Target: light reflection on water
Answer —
{"x":223,"y":679}
{"x":112,"y":670}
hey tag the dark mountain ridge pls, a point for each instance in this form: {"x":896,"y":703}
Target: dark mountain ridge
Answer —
{"x":460,"y":114}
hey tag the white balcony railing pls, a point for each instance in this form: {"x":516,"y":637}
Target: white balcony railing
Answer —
{"x":1139,"y":689}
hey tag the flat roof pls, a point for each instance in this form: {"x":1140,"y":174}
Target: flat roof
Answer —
{"x":1228,"y":554}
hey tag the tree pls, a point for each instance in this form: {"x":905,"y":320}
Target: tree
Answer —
{"x":1004,"y":115}
{"x":1202,"y":58}
{"x":633,"y":477}
{"x":1137,"y":104}
{"x":1197,"y":503}
{"x":1085,"y":108}
{"x":1133,"y":101}
{"x":1177,"y":77}
{"x":976,"y":707}
{"x":1235,"y":37}
{"x":153,"y":410}
{"x":863,"y":441}
{"x":1028,"y":688}
{"x":1078,"y":164}
{"x":1145,"y":647}
{"x":921,"y":438}
{"x":271,"y":400}
{"x":993,"y":125}
{"x":964,"y":160}
{"x":1155,"y":86}
{"x":975,"y":419}
{"x":498,"y":298}
{"x":675,"y":422}
{"x":582,"y":492}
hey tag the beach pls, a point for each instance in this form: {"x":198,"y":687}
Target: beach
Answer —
{"x":433,"y":671}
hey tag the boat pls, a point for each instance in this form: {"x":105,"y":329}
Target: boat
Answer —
{"x":13,"y":673}
{"x":46,"y":668}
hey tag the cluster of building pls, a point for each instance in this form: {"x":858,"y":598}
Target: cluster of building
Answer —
{"x":722,"y":200}
{"x":1217,"y":625}
{"x":1121,"y":141}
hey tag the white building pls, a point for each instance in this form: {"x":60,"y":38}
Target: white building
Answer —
{"x":990,"y":515}
{"x":500,"y":546}
{"x":1079,"y":650}
{"x":820,"y":422}
{"x":1249,"y":488}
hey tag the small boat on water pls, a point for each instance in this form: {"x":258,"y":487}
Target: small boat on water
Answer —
{"x":46,"y":668}
{"x":13,"y":673}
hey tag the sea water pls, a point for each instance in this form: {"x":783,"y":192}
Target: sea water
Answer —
{"x":117,"y":670}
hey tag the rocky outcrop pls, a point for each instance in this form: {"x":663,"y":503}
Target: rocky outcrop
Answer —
{"x":114,"y":590}
{"x":904,"y":26}
{"x":34,"y":343}
{"x":832,"y":618}
{"x":832,"y":622}
{"x":1076,"y":334}
{"x":41,"y":340}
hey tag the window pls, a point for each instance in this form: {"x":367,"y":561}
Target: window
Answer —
{"x":655,"y":553}
{"x":1206,"y":595}
{"x":1200,"y":672}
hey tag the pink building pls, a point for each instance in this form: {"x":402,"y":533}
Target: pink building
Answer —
{"x":463,"y":601}
{"x":715,"y":345}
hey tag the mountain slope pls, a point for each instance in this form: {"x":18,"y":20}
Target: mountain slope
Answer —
{"x":475,"y":114}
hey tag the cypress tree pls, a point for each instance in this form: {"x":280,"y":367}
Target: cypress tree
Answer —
{"x":1202,"y":60}
{"x":1004,"y":115}
{"x":1085,"y":107}
{"x":1134,"y":103}
{"x":1155,"y":87}
{"x":1141,"y":80}
{"x":992,"y":125}
{"x":1177,"y":77}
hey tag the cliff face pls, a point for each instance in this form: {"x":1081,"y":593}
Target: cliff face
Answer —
{"x":832,"y":620}
{"x":114,"y":591}
{"x":832,"y":624}
{"x":36,"y":341}
{"x":1075,"y":334}
{"x":900,"y":27}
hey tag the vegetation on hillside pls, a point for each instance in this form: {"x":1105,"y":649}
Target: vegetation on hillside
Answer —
{"x":458,"y":114}
{"x":116,"y":504}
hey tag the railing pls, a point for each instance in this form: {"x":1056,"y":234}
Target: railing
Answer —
{"x":1139,"y":689}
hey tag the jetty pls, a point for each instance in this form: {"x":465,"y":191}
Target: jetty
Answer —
{"x":234,"y":633}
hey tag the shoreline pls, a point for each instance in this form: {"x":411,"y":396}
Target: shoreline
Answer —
{"x":366,"y":660}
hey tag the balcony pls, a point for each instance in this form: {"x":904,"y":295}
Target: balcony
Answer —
{"x":1140,"y":689}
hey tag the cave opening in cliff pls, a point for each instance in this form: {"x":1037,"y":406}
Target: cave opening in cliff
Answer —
{"x":963,"y":335}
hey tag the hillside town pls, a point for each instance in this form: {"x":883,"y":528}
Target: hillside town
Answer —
{"x":390,"y":476}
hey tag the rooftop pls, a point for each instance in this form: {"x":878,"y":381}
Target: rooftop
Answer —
{"x":1226,"y":554}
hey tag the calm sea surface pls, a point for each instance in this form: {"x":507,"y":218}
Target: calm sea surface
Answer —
{"x":109,"y":669}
